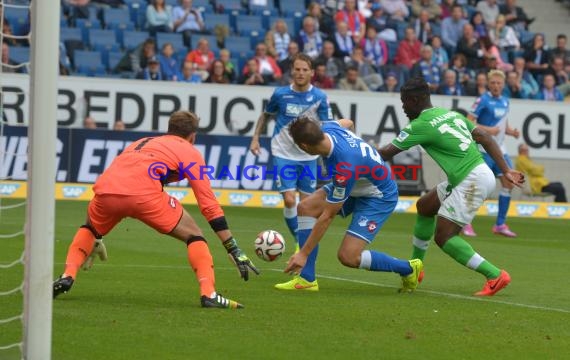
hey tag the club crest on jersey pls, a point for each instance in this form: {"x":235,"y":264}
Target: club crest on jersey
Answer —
{"x":372,"y":226}
{"x":363,"y":221}
{"x":309,"y":98}
{"x":402,"y":135}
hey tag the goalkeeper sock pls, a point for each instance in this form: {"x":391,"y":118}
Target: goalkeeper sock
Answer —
{"x":463,"y":253}
{"x":201,"y":262}
{"x":423,"y":231}
{"x":78,"y":251}
{"x":377,"y":261}
{"x":306,"y":224}
{"x":290,"y":215}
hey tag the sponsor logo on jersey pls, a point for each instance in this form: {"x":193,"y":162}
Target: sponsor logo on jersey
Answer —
{"x":73,"y":191}
{"x":294,"y":109}
{"x":372,"y":226}
{"x":557,"y":210}
{"x":526,"y":209}
{"x":177,"y":194}
{"x":402,"y":135}
{"x":239,"y":198}
{"x":338,"y":192}
{"x":8,"y":189}
{"x":270,"y":200}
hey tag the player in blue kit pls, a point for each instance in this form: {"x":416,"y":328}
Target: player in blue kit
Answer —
{"x":286,"y":104}
{"x":490,"y":112}
{"x":362,"y":185}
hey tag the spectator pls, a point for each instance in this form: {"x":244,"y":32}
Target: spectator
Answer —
{"x":151,"y":71}
{"x":478,"y":24}
{"x":504,"y":36}
{"x":310,"y":41}
{"x":169,"y":66}
{"x":452,"y":27}
{"x":557,"y":70}
{"x":527,"y":80}
{"x":450,"y":85}
{"x":109,"y":3}
{"x":561,"y":51}
{"x":366,"y":69}
{"x":375,"y":49}
{"x":158,"y":17}
{"x":427,"y":69}
{"x":75,"y":9}
{"x":344,"y":43}
{"x":430,"y":6}
{"x":515,"y":16}
{"x":354,"y":20}
{"x":285,"y":65}
{"x":513,"y":88}
{"x":469,"y":46}
{"x":408,"y":53}
{"x":320,"y":79}
{"x":323,"y":21}
{"x":8,"y":66}
{"x":479,"y":87}
{"x":251,"y":75}
{"x":7,"y":33}
{"x":139,"y":57}
{"x":535,"y":176}
{"x":548,"y":91}
{"x":464,"y":74}
{"x":335,"y":66}
{"x":266,"y":65}
{"x":229,"y":67}
{"x":390,"y":83}
{"x":218,"y":73}
{"x":119,"y":125}
{"x":189,"y":74}
{"x":396,"y":9}
{"x":423,"y":27}
{"x":277,"y":40}
{"x":379,"y":21}
{"x":440,"y":58}
{"x":490,"y":10}
{"x":537,"y":57}
{"x":491,"y":51}
{"x":89,"y":123}
{"x":352,"y":81}
{"x":201,"y":58}
{"x":447,"y":8}
{"x":187,"y":21}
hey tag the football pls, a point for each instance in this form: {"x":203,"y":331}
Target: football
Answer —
{"x":269,"y":245}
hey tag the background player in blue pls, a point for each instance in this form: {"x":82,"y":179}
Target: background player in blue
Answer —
{"x":490,"y":112}
{"x":362,"y":185}
{"x":286,"y":104}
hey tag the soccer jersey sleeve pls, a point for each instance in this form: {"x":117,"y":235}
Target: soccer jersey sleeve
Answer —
{"x":478,"y":107}
{"x":412,"y":135}
{"x":273,"y":104}
{"x":342,"y":183}
{"x":324,"y":110}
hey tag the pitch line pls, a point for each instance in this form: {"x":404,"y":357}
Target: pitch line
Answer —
{"x":337,"y":278}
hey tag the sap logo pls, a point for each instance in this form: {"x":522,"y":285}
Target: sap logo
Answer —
{"x":557,"y":211}
{"x":492,"y":208}
{"x":177,"y":194}
{"x":8,"y":189}
{"x":73,"y":191}
{"x":526,"y":209}
{"x":239,"y":199}
{"x":270,"y":200}
{"x":403,"y":205}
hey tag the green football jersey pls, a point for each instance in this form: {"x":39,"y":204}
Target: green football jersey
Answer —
{"x":446,"y":137}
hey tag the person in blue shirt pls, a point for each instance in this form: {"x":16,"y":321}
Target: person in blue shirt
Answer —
{"x":285,"y":105}
{"x":362,"y":185}
{"x":490,"y":112}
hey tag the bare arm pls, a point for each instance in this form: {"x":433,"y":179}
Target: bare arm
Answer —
{"x":492,"y":130}
{"x":512,"y":132}
{"x":347,"y":124}
{"x":254,"y":147}
{"x":388,"y":152}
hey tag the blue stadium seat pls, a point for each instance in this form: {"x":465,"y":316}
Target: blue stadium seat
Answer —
{"x":290,"y":7}
{"x":268,"y":10}
{"x":172,"y":3}
{"x":248,"y":23}
{"x":238,"y":45}
{"x":89,"y":63}
{"x":132,"y":39}
{"x":392,"y":50}
{"x":256,"y":37}
{"x":103,"y":39}
{"x":70,"y":34}
{"x":85,"y":25}
{"x":20,"y":54}
{"x":113,"y":16}
{"x":137,"y":12}
{"x":203,"y":5}
{"x":212,"y":20}
{"x":18,"y":19}
{"x":174,"y":38}
{"x":231,"y":5}
{"x":113,"y":59}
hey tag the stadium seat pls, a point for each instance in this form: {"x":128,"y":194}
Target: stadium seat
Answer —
{"x":89,"y":63}
{"x":290,"y":7}
{"x":203,"y":5}
{"x":103,"y":40}
{"x":18,"y":19}
{"x":212,"y":20}
{"x":255,"y":37}
{"x":238,"y":44}
{"x":247,"y":23}
{"x":267,"y":10}
{"x":231,"y":5}
{"x":113,"y":16}
{"x":174,"y":38}
{"x":85,"y":25}
{"x":70,"y":34}
{"x":132,"y":39}
{"x":392,"y":50}
{"x":113,"y":59}
{"x":20,"y":54}
{"x":172,"y":3}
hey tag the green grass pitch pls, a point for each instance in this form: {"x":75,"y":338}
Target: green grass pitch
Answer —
{"x":143,"y":303}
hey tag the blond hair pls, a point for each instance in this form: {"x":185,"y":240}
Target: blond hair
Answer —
{"x":498,"y":73}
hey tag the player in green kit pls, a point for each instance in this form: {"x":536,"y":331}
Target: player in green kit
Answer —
{"x":450,"y":139}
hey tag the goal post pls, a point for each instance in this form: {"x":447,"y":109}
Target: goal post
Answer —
{"x":42,"y":135}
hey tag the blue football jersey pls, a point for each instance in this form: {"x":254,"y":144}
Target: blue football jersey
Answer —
{"x":288,"y":104}
{"x":356,"y":167}
{"x":492,"y":111}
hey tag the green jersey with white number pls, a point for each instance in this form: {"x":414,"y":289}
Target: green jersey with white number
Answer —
{"x":446,"y":137}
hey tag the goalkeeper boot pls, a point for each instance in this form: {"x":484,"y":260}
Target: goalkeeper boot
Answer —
{"x":62,"y":285}
{"x":410,"y":282}
{"x":493,"y":286}
{"x":218,"y":301}
{"x":298,"y":283}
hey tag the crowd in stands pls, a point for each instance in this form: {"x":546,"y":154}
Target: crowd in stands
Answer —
{"x":356,"y":45}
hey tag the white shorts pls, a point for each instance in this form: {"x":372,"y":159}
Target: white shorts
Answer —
{"x":461,"y":204}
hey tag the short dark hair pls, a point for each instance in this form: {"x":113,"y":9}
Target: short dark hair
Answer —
{"x":306,"y":131}
{"x":183,"y":123}
{"x":415,"y":86}
{"x":561,"y":36}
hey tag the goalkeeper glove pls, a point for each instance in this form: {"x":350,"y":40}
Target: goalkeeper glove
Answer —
{"x":240,"y":259}
{"x":98,"y":250}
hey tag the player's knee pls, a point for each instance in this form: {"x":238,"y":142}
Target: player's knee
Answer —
{"x":93,"y":231}
{"x":289,"y":200}
{"x":348,"y":259}
{"x":194,"y":238}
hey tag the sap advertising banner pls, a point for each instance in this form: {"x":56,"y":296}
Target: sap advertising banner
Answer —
{"x":233,"y":109}
{"x":83,"y":154}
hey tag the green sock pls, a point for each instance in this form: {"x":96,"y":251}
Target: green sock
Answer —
{"x":423,"y":230}
{"x":463,"y":253}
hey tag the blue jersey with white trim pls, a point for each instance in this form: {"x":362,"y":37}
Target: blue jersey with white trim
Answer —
{"x":492,"y":111}
{"x":356,"y":167}
{"x":288,"y":104}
